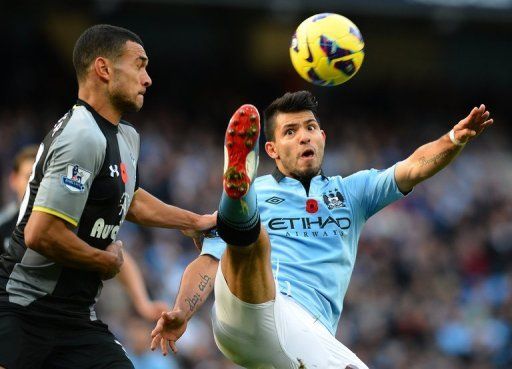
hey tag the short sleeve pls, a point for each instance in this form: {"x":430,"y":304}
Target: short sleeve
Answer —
{"x":213,"y":246}
{"x":374,"y":189}
{"x":74,"y":159}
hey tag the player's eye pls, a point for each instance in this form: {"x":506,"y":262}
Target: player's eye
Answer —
{"x":311,"y":127}
{"x":289,"y":132}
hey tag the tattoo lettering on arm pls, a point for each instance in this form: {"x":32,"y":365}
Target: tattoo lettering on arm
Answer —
{"x":204,"y":282}
{"x":434,"y":159}
{"x":193,"y":301}
{"x":196,"y":298}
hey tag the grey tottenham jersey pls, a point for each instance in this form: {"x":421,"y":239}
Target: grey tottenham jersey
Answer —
{"x":85,"y":173}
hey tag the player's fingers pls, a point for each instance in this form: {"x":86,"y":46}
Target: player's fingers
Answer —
{"x":172,"y":344}
{"x":158,"y":328}
{"x":198,"y":243}
{"x":487,"y":123}
{"x":163,"y":346}
{"x":467,"y":133}
{"x":478,"y":114}
{"x":154,"y":342}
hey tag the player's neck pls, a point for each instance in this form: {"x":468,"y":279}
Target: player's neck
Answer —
{"x":101,"y":104}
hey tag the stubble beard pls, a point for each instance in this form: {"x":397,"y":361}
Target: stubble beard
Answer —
{"x":305,"y":174}
{"x":123,"y":104}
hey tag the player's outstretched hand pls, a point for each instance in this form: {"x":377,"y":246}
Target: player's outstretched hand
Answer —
{"x":474,"y":124}
{"x":115,"y":248}
{"x":169,"y":328}
{"x":205,"y":223}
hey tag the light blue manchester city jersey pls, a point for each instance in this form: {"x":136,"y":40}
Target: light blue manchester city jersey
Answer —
{"x":314,"y":236}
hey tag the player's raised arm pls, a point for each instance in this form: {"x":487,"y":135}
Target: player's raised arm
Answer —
{"x":196,"y":285}
{"x":429,"y":159}
{"x":147,"y":210}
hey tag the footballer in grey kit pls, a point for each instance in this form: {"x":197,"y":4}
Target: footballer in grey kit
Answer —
{"x":83,"y":186}
{"x":86,"y":174}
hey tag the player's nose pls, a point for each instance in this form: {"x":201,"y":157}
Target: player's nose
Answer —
{"x":146,"y":80}
{"x":304,"y":136}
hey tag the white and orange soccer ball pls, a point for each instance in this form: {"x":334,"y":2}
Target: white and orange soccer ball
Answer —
{"x":327,"y":49}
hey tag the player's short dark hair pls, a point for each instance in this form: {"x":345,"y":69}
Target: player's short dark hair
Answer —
{"x":290,"y":102}
{"x":100,"y":40}
{"x":27,"y":153}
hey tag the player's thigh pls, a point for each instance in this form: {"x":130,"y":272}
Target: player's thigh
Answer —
{"x":23,"y":344}
{"x":307,"y":340}
{"x":95,"y":350}
{"x":247,"y":333}
{"x":248,"y":270}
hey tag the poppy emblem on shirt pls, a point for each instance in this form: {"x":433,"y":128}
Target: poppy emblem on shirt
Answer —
{"x":311,"y":206}
{"x":124,"y":173}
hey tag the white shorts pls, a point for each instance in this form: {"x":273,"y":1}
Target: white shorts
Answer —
{"x":277,"y":334}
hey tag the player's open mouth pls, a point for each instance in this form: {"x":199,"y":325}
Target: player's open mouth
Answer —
{"x":308,"y":153}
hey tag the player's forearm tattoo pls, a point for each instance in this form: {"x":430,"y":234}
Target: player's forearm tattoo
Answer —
{"x":204,"y":282}
{"x":435,"y":159}
{"x":193,"y":301}
{"x":196,"y":298}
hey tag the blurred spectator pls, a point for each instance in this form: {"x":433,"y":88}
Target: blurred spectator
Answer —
{"x":18,"y":179}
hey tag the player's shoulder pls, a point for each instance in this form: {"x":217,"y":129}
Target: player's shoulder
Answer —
{"x":264,"y":180}
{"x":128,"y":128}
{"x":83,"y":128}
{"x":127,"y":125}
{"x":360,"y":174}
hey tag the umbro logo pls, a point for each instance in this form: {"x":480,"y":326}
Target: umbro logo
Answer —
{"x":274,"y":200}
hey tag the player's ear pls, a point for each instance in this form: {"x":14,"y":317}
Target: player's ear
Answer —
{"x":270,"y":148}
{"x":102,"y":68}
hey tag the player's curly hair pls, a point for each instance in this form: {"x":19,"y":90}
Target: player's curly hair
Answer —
{"x":100,"y":40}
{"x":290,"y":102}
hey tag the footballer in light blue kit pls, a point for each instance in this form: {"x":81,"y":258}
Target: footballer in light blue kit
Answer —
{"x":287,"y":241}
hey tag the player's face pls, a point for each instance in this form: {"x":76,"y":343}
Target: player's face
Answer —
{"x":130,"y":78}
{"x":299,"y":144}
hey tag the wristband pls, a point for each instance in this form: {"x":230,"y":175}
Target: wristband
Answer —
{"x":454,"y":140}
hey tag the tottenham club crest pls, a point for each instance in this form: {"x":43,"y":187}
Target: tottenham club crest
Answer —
{"x":75,"y":178}
{"x":334,"y":199}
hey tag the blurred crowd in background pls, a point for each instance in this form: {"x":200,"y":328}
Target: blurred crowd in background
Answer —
{"x":432,"y":286}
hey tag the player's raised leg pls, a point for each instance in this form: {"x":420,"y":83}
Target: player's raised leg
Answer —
{"x":246,"y":262}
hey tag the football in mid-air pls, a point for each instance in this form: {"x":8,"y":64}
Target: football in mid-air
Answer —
{"x":327,"y":49}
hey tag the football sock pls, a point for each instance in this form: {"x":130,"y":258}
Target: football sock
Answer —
{"x":238,"y":220}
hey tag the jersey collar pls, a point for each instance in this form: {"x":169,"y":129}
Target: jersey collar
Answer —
{"x":97,"y":117}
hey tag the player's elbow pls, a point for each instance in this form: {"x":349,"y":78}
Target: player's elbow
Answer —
{"x":32,"y":239}
{"x":37,"y":238}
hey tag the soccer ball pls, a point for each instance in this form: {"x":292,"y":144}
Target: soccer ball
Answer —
{"x":327,"y":49}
